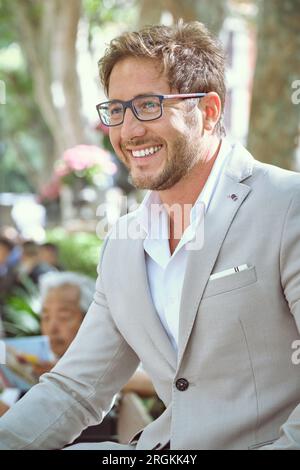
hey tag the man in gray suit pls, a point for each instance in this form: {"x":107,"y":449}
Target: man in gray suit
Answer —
{"x":214,"y":322}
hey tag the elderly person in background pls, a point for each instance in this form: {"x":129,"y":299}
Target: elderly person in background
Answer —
{"x":65,"y":299}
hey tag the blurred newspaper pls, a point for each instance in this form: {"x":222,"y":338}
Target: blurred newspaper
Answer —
{"x":21,"y":355}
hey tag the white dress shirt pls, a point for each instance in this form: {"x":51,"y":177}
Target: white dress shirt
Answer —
{"x":165,"y":271}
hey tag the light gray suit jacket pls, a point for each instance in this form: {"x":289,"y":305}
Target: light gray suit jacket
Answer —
{"x":235,"y":334}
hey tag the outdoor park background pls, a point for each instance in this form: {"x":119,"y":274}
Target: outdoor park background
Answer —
{"x":56,"y":163}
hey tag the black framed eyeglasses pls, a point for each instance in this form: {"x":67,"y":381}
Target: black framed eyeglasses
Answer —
{"x":144,"y":107}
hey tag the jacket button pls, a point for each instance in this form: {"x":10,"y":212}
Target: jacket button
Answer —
{"x":182,"y":385}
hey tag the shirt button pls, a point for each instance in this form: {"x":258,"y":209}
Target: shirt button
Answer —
{"x":182,"y":385}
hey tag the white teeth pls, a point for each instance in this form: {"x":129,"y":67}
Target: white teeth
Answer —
{"x":146,"y":152}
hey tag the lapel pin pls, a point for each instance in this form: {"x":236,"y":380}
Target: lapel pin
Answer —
{"x":233,"y":197}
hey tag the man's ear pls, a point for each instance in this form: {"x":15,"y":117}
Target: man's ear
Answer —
{"x":211,"y":109}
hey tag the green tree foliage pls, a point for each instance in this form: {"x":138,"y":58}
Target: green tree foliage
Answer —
{"x":79,"y":252}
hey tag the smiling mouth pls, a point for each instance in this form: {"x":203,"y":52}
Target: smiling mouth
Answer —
{"x":147,"y":152}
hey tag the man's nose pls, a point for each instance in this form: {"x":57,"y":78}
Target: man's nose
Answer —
{"x":131,"y":126}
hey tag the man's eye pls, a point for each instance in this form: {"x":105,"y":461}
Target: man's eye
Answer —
{"x":149,"y":105}
{"x":115,"y":110}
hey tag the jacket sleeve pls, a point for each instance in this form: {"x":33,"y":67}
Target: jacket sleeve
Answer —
{"x":79,"y":390}
{"x":290,"y":278}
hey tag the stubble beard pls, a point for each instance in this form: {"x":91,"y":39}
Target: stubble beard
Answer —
{"x":185,"y":154}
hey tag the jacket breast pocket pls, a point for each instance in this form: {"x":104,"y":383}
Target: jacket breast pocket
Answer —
{"x":230,"y":282}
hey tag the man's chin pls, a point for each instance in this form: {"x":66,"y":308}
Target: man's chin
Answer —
{"x":139,"y":183}
{"x":147,"y":182}
{"x":156,"y":185}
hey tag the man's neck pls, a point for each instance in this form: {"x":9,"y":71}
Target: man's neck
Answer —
{"x":185,"y":193}
{"x":187,"y":190}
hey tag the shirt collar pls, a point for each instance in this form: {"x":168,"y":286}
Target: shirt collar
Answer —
{"x":208,"y":190}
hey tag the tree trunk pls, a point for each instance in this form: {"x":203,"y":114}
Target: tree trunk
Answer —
{"x":274,"y":120}
{"x":29,"y":41}
{"x":64,"y":71}
{"x":48,"y":32}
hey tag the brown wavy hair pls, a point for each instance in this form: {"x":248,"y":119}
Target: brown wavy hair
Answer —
{"x":191,"y":57}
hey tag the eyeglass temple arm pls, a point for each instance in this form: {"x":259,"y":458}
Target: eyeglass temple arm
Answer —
{"x":184,"y":95}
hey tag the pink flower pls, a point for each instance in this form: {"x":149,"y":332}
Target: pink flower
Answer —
{"x":61,"y":169}
{"x":85,"y":156}
{"x":82,"y":157}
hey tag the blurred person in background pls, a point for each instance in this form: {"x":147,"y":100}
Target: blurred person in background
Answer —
{"x":49,"y":254}
{"x":6,"y":248}
{"x":30,"y":264}
{"x":11,"y":235}
{"x":7,"y":271}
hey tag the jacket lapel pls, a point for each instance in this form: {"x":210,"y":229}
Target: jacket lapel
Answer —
{"x":229,"y":196}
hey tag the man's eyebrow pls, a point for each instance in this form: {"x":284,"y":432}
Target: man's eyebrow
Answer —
{"x":150,"y":93}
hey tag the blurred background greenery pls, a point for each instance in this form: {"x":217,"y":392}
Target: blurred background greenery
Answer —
{"x":79,"y":253}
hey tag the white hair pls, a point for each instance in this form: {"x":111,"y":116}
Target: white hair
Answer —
{"x":85,"y":284}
